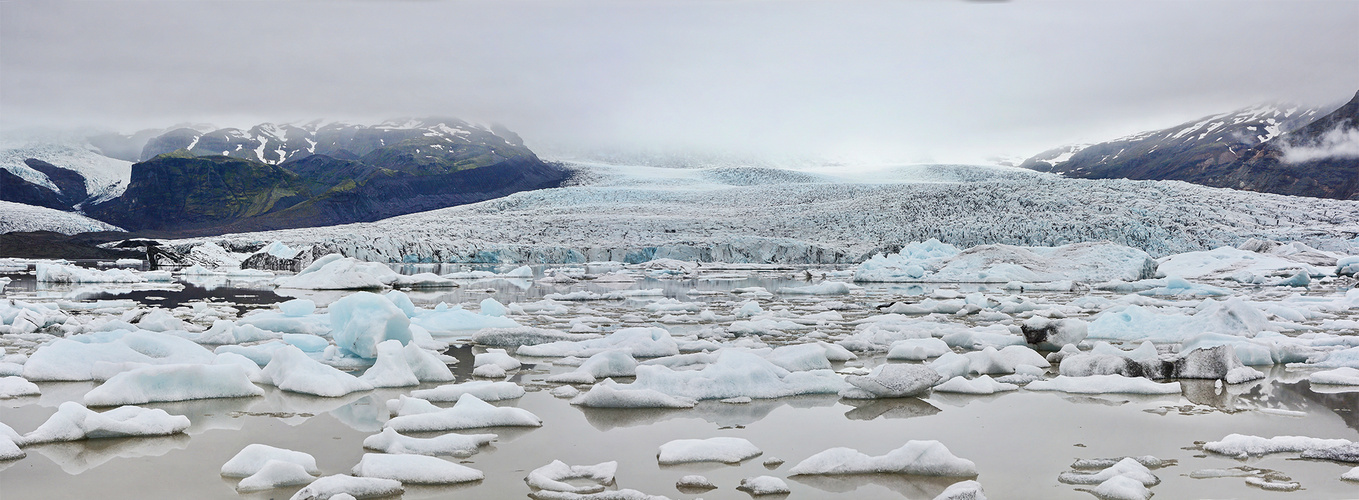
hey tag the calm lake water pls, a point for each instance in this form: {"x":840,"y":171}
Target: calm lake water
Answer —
{"x":1020,"y":440}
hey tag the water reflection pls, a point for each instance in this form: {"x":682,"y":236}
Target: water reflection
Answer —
{"x":723,"y":415}
{"x":366,"y":414}
{"x":76,"y":457}
{"x":869,"y":409}
{"x":906,"y":485}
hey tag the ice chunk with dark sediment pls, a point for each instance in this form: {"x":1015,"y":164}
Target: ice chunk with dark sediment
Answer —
{"x":896,"y":380}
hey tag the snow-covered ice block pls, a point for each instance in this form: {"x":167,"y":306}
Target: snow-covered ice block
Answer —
{"x":297,"y":308}
{"x":391,"y":368}
{"x":1127,"y":467}
{"x":895,"y":380}
{"x":173,"y":383}
{"x":14,"y":387}
{"x":694,"y":482}
{"x":735,"y":373}
{"x":1242,"y":446}
{"x":1339,"y":376}
{"x":719,"y":449}
{"x":484,"y":390}
{"x":456,"y":319}
{"x":362,"y":320}
{"x":358,"y":488}
{"x":468,"y":413}
{"x":64,"y":273}
{"x":932,"y":262}
{"x":925,"y":458}
{"x":275,"y":474}
{"x":1104,"y":384}
{"x":336,"y":272}
{"x":525,"y":336}
{"x":763,"y":485}
{"x":73,"y":422}
{"x":823,"y":288}
{"x":291,"y":370}
{"x":253,"y":457}
{"x":1136,"y":323}
{"x":1343,"y":453}
{"x":962,"y":490}
{"x":9,"y":450}
{"x":980,"y":385}
{"x":73,"y":358}
{"x":415,"y":469}
{"x":1121,"y":488}
{"x":461,"y":445}
{"x":612,"y":363}
{"x":989,"y":360}
{"x":641,"y":342}
{"x":496,"y":357}
{"x":608,"y":394}
{"x":554,"y":477}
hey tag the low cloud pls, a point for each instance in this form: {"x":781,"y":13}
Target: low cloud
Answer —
{"x":1339,"y":142}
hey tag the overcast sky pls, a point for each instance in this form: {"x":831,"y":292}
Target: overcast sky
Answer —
{"x":862,"y":81}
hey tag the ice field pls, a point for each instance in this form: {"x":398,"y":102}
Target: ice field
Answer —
{"x":1089,"y":369}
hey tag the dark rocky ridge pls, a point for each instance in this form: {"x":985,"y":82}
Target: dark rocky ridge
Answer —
{"x":1243,"y":150}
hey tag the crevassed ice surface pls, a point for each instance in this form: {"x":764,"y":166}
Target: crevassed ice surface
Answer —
{"x":750,"y":214}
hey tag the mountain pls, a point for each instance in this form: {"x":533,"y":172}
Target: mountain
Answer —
{"x":1182,"y":152}
{"x":1320,"y":159}
{"x":273,"y":177}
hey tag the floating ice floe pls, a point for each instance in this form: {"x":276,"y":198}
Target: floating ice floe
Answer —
{"x":173,"y":383}
{"x":66,"y":273}
{"x":694,"y":482}
{"x":525,"y":336}
{"x":962,"y":490}
{"x":1242,"y":446}
{"x":484,"y":390}
{"x":404,"y":366}
{"x":468,"y":413}
{"x":763,"y":485}
{"x":936,"y":262}
{"x":1228,"y":262}
{"x":1104,"y":384}
{"x":719,"y":449}
{"x":554,"y":477}
{"x":612,"y":363}
{"x":359,"y":488}
{"x":275,"y":474}
{"x":292,"y":370}
{"x":1052,"y":334}
{"x":361,"y":320}
{"x":609,"y":394}
{"x":917,"y":349}
{"x":251,"y":459}
{"x":74,"y":422}
{"x":980,"y":385}
{"x":641,"y":342}
{"x":75,"y":358}
{"x":14,"y":387}
{"x":823,"y":288}
{"x":734,"y":373}
{"x":1137,"y":323}
{"x":924,"y":458}
{"x":893,"y":380}
{"x":1339,"y":376}
{"x":415,"y":469}
{"x":1128,"y":467}
{"x":461,"y":445}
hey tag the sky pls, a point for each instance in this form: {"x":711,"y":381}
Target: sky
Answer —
{"x":854,"y":81}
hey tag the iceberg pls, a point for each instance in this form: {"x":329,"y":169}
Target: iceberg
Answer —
{"x":361,"y":320}
{"x":468,"y":413}
{"x":173,"y":383}
{"x":74,"y":422}
{"x":719,"y":449}
{"x":924,"y":458}
{"x":415,"y":469}
{"x":460,"y":445}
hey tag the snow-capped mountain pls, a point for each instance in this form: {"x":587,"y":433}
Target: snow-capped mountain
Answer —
{"x":197,"y":181}
{"x":274,"y":144}
{"x":1177,"y":152}
{"x":1319,"y":159}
